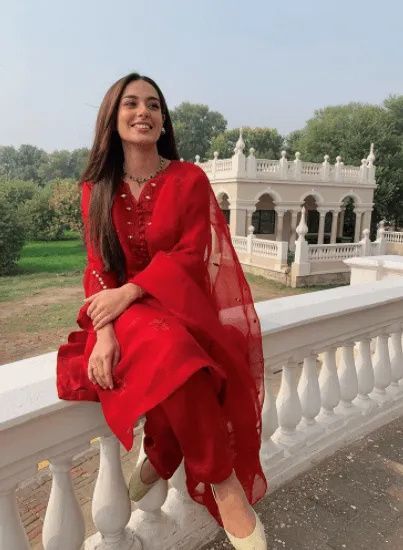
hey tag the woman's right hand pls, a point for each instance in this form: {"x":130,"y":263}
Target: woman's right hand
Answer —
{"x":104,"y":357}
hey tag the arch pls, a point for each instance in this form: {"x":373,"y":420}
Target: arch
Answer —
{"x":353,"y":195}
{"x":315,"y":194}
{"x":221,"y":192}
{"x":268,"y":191}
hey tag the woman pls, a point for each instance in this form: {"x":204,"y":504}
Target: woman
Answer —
{"x":169,"y":328}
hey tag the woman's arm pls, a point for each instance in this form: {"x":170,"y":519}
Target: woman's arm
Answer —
{"x":95,"y":277}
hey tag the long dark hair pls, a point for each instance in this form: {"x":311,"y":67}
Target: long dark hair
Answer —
{"x":105,"y":169}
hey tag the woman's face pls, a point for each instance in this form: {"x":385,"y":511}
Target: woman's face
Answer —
{"x":139,"y":119}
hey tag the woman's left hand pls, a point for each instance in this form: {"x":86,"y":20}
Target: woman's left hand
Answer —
{"x":108,"y":304}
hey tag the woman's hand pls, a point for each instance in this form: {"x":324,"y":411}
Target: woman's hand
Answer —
{"x":104,"y":357}
{"x":108,"y":304}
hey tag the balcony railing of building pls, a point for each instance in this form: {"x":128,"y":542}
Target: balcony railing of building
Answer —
{"x":241,"y":167}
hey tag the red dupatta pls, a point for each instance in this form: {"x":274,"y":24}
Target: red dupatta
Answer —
{"x":201,"y":281}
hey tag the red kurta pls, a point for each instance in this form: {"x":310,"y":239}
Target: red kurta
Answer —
{"x":198,"y":312}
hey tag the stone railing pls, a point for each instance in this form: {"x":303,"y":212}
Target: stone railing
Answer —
{"x":394,"y":236}
{"x":316,"y":259}
{"x":260,"y":252}
{"x":339,"y":353}
{"x":240,"y":243}
{"x":333,"y":252}
{"x":241,"y":167}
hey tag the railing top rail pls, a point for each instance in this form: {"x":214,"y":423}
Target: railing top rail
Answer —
{"x":24,"y":397}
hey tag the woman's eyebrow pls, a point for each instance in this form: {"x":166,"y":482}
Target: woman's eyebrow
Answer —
{"x":136,"y":97}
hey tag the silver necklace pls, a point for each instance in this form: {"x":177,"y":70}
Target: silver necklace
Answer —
{"x":141,"y":179}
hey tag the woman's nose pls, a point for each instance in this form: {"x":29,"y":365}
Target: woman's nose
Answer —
{"x":142,"y":109}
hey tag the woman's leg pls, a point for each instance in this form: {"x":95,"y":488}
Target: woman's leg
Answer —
{"x":196,"y":419}
{"x":160,"y":446}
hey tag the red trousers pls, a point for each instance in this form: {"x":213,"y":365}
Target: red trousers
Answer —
{"x":189,"y":425}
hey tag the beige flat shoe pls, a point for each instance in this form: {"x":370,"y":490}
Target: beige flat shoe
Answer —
{"x":255,"y":541}
{"x":137,"y":488}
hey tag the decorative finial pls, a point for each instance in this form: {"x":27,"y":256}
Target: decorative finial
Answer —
{"x":240,"y":144}
{"x":371,"y":156}
{"x":215,"y":154}
{"x":302,"y":228}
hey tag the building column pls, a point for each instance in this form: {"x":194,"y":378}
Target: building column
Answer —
{"x":357,"y":229}
{"x":279,"y":223}
{"x":293,"y":230}
{"x":237,"y":221}
{"x":366,"y":222}
{"x":335,"y":215}
{"x":341,"y":222}
{"x":321,"y":230}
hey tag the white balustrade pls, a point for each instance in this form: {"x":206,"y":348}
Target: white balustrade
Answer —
{"x":333,"y":252}
{"x":339,"y":355}
{"x":265,"y":167}
{"x":284,"y":169}
{"x":239,"y":243}
{"x":394,"y":236}
{"x":263,"y":247}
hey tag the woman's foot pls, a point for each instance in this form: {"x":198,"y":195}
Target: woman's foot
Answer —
{"x":142,"y":480}
{"x":236,"y":513}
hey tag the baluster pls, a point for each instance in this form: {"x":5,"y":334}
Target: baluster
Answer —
{"x":270,"y":453}
{"x":12,"y":533}
{"x":288,"y":409}
{"x":309,"y":394}
{"x":365,"y":376}
{"x":329,"y":390}
{"x":63,"y":527}
{"x":111,"y":507}
{"x":396,"y":361}
{"x":382,"y":370}
{"x":348,"y":382}
{"x":185,"y":520}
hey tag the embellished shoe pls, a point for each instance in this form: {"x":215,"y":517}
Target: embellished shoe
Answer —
{"x":137,"y":488}
{"x":255,"y":541}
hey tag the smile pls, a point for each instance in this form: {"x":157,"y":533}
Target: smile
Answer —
{"x":142,"y":125}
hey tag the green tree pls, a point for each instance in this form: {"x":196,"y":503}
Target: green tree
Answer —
{"x":348,"y":130}
{"x":12,"y":226}
{"x":267,"y":142}
{"x":79,"y":159}
{"x":29,"y":161}
{"x":65,"y":200}
{"x":42,"y":219}
{"x":56,"y":166}
{"x":195,"y":127}
{"x":8,"y":162}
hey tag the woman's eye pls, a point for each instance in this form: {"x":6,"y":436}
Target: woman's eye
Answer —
{"x":154,"y":106}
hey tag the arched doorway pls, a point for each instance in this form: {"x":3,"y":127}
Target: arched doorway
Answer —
{"x":349,"y":220}
{"x":263,"y":218}
{"x":223,"y":201}
{"x":312,"y":219}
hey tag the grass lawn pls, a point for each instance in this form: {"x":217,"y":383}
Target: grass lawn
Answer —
{"x":45,"y":264}
{"x":39,"y":304}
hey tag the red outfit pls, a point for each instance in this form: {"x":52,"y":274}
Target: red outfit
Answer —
{"x":198,"y":312}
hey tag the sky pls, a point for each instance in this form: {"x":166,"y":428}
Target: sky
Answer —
{"x":261,"y":63}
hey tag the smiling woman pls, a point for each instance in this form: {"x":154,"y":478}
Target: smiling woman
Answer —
{"x":169,"y":328}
